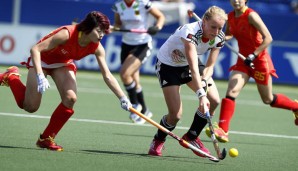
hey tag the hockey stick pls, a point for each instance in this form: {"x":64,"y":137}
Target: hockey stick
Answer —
{"x":130,"y":30}
{"x":239,"y":54}
{"x":210,"y":157}
{"x":220,"y":155}
{"x":196,"y":17}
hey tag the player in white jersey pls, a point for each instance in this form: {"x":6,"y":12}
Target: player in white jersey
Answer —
{"x":136,"y":47}
{"x":178,"y":63}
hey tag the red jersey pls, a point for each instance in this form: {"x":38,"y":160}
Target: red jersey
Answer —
{"x":249,"y":39}
{"x":69,"y":51}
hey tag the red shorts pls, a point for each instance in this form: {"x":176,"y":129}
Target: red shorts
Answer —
{"x":71,"y":66}
{"x":263,"y":69}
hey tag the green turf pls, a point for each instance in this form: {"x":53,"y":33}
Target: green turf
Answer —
{"x":100,"y":137}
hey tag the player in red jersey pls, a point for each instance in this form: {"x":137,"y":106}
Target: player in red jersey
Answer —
{"x":54,"y":55}
{"x":253,"y":38}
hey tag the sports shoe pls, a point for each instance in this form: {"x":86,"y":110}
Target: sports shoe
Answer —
{"x":197,"y":143}
{"x":13,"y":70}
{"x":48,"y":143}
{"x":296,"y":115}
{"x":134,"y":117}
{"x":141,"y":120}
{"x":156,"y":147}
{"x":220,"y":134}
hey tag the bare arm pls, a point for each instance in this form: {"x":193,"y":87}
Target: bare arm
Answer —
{"x":52,"y":42}
{"x":158,"y":15}
{"x":255,"y":20}
{"x":228,"y":34}
{"x":208,"y":72}
{"x":109,"y":79}
{"x":191,"y":56}
{"x":117,"y":21}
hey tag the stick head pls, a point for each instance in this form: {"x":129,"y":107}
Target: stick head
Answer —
{"x":223,"y":154}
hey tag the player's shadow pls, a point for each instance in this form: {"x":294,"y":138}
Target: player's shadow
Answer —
{"x":168,"y":158}
{"x":14,"y":147}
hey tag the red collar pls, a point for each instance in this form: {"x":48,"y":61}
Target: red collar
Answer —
{"x":205,"y":40}
{"x":129,"y":4}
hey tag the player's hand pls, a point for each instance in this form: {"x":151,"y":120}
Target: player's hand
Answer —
{"x":250,"y":58}
{"x":153,"y":30}
{"x":204,"y":104}
{"x":125,"y":103}
{"x":42,"y":83}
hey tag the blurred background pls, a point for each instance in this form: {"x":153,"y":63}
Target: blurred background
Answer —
{"x":24,"y":22}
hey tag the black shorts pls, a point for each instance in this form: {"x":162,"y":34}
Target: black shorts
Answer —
{"x":142,"y":51}
{"x":169,"y":75}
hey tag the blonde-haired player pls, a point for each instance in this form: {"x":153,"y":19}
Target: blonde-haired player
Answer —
{"x":178,"y":63}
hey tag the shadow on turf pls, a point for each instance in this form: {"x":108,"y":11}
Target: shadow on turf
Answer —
{"x":168,"y":158}
{"x":151,"y":136}
{"x":13,"y":147}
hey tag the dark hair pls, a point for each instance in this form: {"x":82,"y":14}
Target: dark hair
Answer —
{"x":92,"y":20}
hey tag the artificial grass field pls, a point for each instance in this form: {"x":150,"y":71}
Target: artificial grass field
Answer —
{"x":100,"y":136}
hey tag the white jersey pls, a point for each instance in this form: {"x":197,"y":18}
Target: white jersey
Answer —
{"x":172,"y":52}
{"x":134,"y":17}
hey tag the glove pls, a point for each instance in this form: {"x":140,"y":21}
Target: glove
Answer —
{"x":125,"y":103}
{"x":249,"y":59}
{"x":153,"y":30}
{"x":42,"y":83}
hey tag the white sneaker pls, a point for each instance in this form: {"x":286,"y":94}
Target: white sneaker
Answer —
{"x":141,"y":120}
{"x":134,"y":117}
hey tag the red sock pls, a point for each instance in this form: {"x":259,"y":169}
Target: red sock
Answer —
{"x":58,"y":119}
{"x":284,"y":102}
{"x":17,"y":88}
{"x":226,"y":113}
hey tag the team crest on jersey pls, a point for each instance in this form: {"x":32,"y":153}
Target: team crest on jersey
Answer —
{"x":63,"y":51}
{"x":177,"y":56}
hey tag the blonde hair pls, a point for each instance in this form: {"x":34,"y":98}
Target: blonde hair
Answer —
{"x":215,"y":10}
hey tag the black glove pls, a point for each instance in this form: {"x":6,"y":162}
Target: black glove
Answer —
{"x":153,"y":30}
{"x":249,"y":59}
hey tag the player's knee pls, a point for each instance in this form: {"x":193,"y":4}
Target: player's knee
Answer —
{"x":70,"y":100}
{"x":30,"y":108}
{"x":266,"y":101}
{"x":174,"y":117}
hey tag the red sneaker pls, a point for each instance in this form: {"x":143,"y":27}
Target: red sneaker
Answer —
{"x":13,"y":70}
{"x":48,"y":143}
{"x":156,"y":147}
{"x":197,"y":143}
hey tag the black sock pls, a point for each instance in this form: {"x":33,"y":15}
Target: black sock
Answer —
{"x":141,"y":99}
{"x":160,"y":135}
{"x":196,"y":127}
{"x":132,"y":93}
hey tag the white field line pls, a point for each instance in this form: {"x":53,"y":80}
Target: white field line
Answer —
{"x":160,"y":95}
{"x":144,"y":125}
